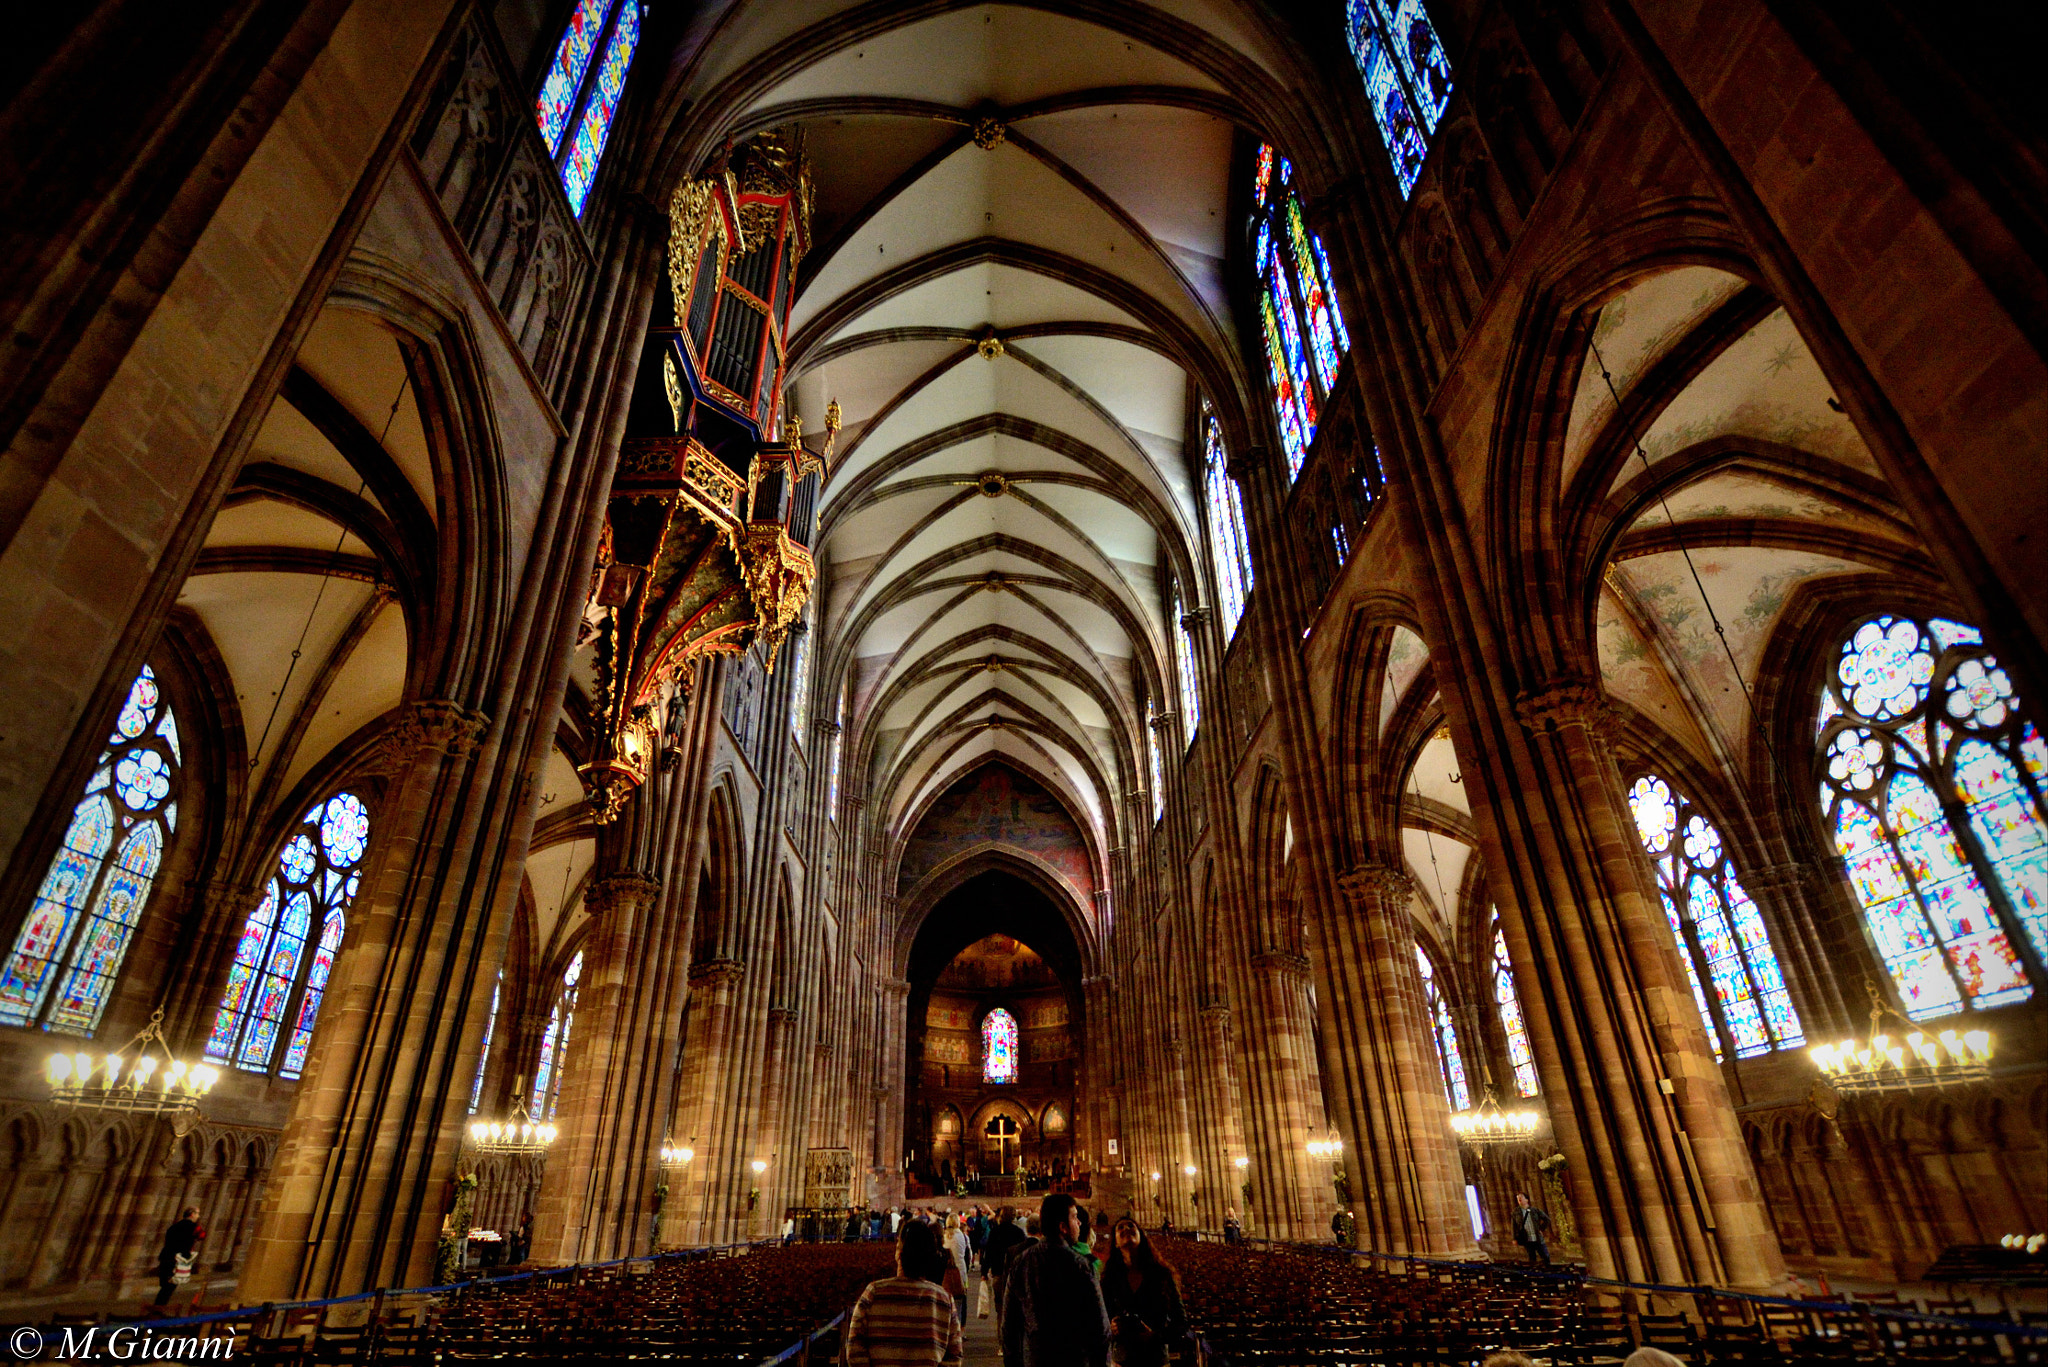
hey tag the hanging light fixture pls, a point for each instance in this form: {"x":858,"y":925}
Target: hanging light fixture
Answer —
{"x":155,"y":1083}
{"x":1487,"y":1123}
{"x":1331,"y":1148}
{"x":517,"y":1133}
{"x":1909,"y":1061}
{"x":674,"y":1155}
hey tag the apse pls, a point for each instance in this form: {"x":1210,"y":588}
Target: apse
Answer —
{"x":994,"y":1044}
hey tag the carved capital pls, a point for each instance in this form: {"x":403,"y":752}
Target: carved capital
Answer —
{"x":1194,"y":619}
{"x":617,"y":890}
{"x":1365,"y":882}
{"x":1283,"y":965}
{"x":432,"y":726}
{"x":1245,"y":462}
{"x":1160,"y":721}
{"x":1773,"y":879}
{"x":1566,"y":702}
{"x":898,"y":988}
{"x":1216,"y":1013}
{"x":713,"y":972}
{"x":783,"y":1016}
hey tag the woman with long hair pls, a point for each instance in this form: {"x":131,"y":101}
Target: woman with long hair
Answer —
{"x":907,"y":1320}
{"x":1142,"y":1294}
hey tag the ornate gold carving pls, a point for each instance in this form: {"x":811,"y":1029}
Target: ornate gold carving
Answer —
{"x":989,"y":133}
{"x":778,"y":575}
{"x":992,"y":483}
{"x":672,"y":385}
{"x":687,"y":211}
{"x":989,"y":344}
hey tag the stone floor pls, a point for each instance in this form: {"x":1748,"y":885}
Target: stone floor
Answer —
{"x":983,"y":1350}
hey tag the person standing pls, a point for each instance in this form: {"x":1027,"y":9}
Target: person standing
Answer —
{"x":789,"y":1227}
{"x":1532,"y":1227}
{"x":906,"y":1320}
{"x":962,"y":1254}
{"x":1142,"y":1294}
{"x":1003,"y":1240}
{"x":1343,"y":1228}
{"x":1233,"y":1232}
{"x":1052,"y":1306}
{"x":180,"y":1241}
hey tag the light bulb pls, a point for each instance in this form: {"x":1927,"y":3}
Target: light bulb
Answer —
{"x":114,"y":1065}
{"x":688,"y":1153}
{"x":1189,"y":1169}
{"x":81,"y":1067}
{"x":59,"y":1069}
{"x":1155,"y":1177}
{"x":204,"y":1077}
{"x":1979,"y":1044}
{"x":1241,"y":1161}
{"x":759,"y":1165}
{"x":144,"y":1067}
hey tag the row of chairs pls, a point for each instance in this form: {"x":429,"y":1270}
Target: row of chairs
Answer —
{"x":1306,"y":1308}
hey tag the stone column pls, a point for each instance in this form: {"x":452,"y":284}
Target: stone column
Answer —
{"x":1663,"y":1182}
{"x":602,"y":1155}
{"x":1296,"y":1190}
{"x":781,"y":1143}
{"x":358,"y":1190}
{"x":714,"y":984}
{"x":1222,"y":1139}
{"x":1399,"y":1150}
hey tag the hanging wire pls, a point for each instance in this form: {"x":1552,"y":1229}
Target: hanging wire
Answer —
{"x":1663,"y":502}
{"x":277,"y":701}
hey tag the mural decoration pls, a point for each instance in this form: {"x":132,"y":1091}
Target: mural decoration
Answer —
{"x":997,"y":805}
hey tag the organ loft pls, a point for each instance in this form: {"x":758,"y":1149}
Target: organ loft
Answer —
{"x":633,"y":620}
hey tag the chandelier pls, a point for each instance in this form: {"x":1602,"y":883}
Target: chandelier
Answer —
{"x":1332,"y":1148}
{"x":1883,"y":1062}
{"x":515,"y":1134}
{"x":155,"y":1083}
{"x":674,"y":1155}
{"x":1487,"y":1123}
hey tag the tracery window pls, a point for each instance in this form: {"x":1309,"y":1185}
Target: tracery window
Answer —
{"x":1230,"y":546}
{"x":86,"y":910}
{"x":832,"y":768}
{"x":483,"y":1058}
{"x":1184,"y":663}
{"x":999,"y":1046}
{"x":1520,"y":1057}
{"x":576,"y":102}
{"x":1302,"y":326}
{"x":1721,"y":937}
{"x":1447,"y":1056}
{"x":800,"y":684}
{"x":1932,"y":783}
{"x":554,"y":1046}
{"x":1158,"y":771}
{"x":1407,"y":77}
{"x":275,"y":984}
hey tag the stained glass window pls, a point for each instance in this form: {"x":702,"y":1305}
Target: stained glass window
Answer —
{"x":68,"y":955}
{"x":1158,"y":772}
{"x":1721,"y":936}
{"x":832,"y":769}
{"x":1932,"y":783}
{"x":800,"y":684}
{"x":554,"y":1045}
{"x":1299,"y":321}
{"x":576,"y":104}
{"x":1520,"y":1057}
{"x":1447,"y":1056}
{"x":1407,"y":77}
{"x":483,"y":1058}
{"x":1184,"y":663}
{"x":280,"y":969}
{"x":999,"y":1046}
{"x":1231,"y":547}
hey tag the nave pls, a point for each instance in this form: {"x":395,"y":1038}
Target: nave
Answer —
{"x":1415,"y":623}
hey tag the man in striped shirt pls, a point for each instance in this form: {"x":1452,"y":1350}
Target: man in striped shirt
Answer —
{"x":906,"y":1320}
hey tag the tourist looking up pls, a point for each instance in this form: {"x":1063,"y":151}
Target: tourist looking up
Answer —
{"x":1052,"y":1305}
{"x":1532,"y":1226}
{"x":1142,"y":1296}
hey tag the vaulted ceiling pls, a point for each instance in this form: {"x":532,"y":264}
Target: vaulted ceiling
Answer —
{"x":1016,"y":279}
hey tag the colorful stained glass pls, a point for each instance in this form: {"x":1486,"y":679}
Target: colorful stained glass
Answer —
{"x":1721,"y":936}
{"x":483,"y":1057}
{"x":1297,"y":358}
{"x":999,"y":1046}
{"x":130,"y":796}
{"x":594,"y":127}
{"x":554,"y":1045}
{"x":564,"y":81}
{"x":1329,"y":279}
{"x":1158,"y":772}
{"x":1520,"y":1057}
{"x":1407,"y":77}
{"x":1283,"y":392}
{"x":273,"y":979}
{"x":1232,"y":547}
{"x":1447,"y":1056}
{"x":800,"y":686}
{"x":1190,"y":690}
{"x":1262,"y":174}
{"x":1917,"y":721}
{"x":309,"y":1000}
{"x":1315,"y":302}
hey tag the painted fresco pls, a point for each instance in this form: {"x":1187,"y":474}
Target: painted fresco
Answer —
{"x":997,"y":805}
{"x":1405,"y":659}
